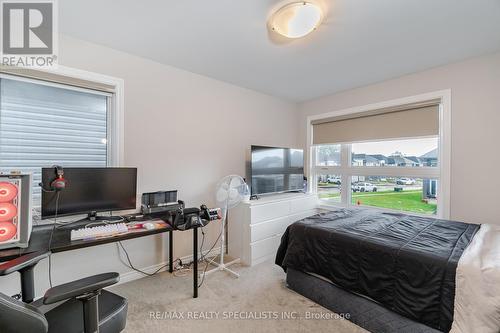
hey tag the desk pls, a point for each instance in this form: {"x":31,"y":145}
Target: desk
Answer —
{"x":61,"y":242}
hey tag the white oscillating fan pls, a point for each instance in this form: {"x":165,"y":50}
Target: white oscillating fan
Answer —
{"x":230,"y":191}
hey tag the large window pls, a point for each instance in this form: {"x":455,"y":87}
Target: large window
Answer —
{"x":378,"y":170}
{"x":395,"y":174}
{"x":42,"y":124}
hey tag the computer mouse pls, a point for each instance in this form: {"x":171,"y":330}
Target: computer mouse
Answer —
{"x":149,"y":226}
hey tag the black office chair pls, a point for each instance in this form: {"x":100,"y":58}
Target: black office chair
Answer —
{"x":80,"y":306}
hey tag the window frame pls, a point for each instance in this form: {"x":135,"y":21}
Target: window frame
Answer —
{"x":346,"y":170}
{"x":115,"y":100}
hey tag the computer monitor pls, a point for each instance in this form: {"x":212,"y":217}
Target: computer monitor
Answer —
{"x":89,"y":190}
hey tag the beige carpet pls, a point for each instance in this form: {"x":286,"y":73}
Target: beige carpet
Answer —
{"x":163,"y":303}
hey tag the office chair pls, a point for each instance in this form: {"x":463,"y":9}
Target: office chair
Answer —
{"x":80,"y":306}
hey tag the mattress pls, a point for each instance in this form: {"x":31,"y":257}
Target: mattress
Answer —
{"x":406,"y":263}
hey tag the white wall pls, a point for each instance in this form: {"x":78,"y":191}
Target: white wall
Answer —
{"x":182,"y":131}
{"x":185,"y":131}
{"x":475,"y":154}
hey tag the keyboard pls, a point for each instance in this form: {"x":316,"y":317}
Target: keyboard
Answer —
{"x":108,"y":230}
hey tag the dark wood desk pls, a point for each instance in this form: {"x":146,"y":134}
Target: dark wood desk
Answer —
{"x":61,"y":242}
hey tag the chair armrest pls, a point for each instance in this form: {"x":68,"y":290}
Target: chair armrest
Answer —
{"x":22,"y":262}
{"x":80,"y":287}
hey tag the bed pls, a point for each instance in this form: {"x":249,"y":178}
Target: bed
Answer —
{"x":395,"y":266}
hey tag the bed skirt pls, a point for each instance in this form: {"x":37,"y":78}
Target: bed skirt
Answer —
{"x":362,"y":311}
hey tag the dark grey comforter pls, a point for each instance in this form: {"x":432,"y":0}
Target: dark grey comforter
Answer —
{"x":406,"y":263}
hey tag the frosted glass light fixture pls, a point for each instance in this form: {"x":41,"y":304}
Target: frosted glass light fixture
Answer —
{"x":296,"y":19}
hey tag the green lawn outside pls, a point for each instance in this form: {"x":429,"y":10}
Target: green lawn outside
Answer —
{"x":410,"y":201}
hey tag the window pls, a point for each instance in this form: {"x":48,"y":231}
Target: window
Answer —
{"x":413,"y":195}
{"x":328,"y":155}
{"x":42,"y":124}
{"x":329,"y":187}
{"x":418,"y":152}
{"x":408,"y":168}
{"x":395,"y":167}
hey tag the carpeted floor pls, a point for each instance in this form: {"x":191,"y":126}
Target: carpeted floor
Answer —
{"x":163,"y":303}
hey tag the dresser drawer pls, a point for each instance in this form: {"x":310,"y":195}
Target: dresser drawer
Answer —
{"x":270,"y":211}
{"x":264,"y":248}
{"x":268,"y":229}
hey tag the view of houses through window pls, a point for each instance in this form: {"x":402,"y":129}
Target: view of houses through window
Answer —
{"x":399,"y":175}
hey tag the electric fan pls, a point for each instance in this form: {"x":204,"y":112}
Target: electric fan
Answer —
{"x":230,"y":191}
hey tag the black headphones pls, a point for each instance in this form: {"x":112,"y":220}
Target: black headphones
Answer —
{"x":59,"y":183}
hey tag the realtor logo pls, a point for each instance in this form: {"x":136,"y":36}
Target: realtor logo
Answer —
{"x":28,"y":35}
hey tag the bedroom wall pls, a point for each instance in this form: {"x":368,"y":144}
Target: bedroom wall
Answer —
{"x":475,"y":158}
{"x":182,"y":131}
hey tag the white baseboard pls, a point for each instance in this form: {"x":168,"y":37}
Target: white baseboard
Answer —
{"x":134,"y":275}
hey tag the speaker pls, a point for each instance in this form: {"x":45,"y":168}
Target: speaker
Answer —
{"x":15,"y":210}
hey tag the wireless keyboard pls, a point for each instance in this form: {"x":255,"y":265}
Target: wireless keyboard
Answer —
{"x":107,"y":230}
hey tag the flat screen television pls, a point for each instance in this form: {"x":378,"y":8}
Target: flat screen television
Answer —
{"x":276,"y":170}
{"x":90,"y":190}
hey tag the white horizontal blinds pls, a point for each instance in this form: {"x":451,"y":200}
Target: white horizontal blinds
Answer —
{"x":42,"y":125}
{"x":379,"y":125}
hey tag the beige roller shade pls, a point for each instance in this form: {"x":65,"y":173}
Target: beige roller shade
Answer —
{"x":379,"y":125}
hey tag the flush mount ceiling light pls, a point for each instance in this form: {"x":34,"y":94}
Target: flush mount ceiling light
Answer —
{"x":296,"y":19}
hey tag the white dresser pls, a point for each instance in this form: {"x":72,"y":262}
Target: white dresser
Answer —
{"x":255,"y":227}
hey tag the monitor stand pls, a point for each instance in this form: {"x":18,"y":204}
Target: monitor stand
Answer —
{"x":92,"y":217}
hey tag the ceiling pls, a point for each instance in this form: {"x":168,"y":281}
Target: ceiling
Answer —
{"x":360,"y":42}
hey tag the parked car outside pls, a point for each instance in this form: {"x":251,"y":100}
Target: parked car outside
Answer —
{"x":405,"y":181}
{"x":364,"y":187}
{"x":334,"y":180}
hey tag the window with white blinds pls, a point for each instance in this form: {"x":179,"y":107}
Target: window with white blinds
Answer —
{"x":43,"y":124}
